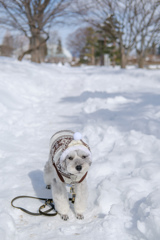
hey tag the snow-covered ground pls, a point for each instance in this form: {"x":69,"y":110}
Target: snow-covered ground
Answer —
{"x":117,"y":112}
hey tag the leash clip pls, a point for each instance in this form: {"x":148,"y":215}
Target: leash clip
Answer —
{"x":72,"y":191}
{"x":49,"y":202}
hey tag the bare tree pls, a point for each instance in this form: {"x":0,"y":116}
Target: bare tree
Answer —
{"x":82,"y":43}
{"x":34,"y":18}
{"x":136,"y":23}
{"x":149,"y":28}
{"x":76,"y":41}
{"x":125,"y":27}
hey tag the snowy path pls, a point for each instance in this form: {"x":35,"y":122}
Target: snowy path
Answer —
{"x":118,"y":113}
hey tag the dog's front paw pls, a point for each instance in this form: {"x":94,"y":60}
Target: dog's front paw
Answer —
{"x":64,"y":217}
{"x":79,"y":216}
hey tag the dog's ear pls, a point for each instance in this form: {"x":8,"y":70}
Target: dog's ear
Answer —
{"x":64,"y":166}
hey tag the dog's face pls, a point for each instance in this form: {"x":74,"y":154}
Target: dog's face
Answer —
{"x":77,"y":162}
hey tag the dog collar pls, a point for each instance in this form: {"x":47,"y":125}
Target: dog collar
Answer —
{"x":69,"y":179}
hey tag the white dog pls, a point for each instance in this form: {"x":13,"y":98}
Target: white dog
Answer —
{"x":68,"y":163}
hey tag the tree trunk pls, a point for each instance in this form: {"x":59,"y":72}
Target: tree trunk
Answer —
{"x":39,"y":50}
{"x":122,"y":53}
{"x":101,"y":52}
{"x":92,"y":56}
{"x":123,"y":58}
{"x":102,"y":60}
{"x":141,"y":60}
{"x":35,"y":54}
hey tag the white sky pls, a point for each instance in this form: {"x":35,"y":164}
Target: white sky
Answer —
{"x":64,"y":32}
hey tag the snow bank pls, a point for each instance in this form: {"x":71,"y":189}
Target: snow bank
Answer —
{"x":118,"y":114}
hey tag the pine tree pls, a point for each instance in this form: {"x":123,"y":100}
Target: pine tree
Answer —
{"x":59,"y":47}
{"x":88,"y":51}
{"x":107,"y":40}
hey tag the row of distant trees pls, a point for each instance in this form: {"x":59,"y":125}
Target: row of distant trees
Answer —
{"x":124,"y":25}
{"x":91,"y":46}
{"x":34,"y":19}
{"x":130,"y":24}
{"x":15,"y":45}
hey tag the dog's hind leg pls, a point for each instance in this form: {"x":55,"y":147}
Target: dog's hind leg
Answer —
{"x":60,"y":198}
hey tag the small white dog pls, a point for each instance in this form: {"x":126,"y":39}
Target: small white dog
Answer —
{"x":68,"y":163}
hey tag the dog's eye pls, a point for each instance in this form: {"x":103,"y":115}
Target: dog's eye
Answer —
{"x":70,"y":158}
{"x":84,"y":157}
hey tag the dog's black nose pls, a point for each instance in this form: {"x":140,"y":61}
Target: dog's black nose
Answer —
{"x":78,"y":167}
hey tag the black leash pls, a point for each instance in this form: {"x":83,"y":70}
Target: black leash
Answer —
{"x":48,"y":202}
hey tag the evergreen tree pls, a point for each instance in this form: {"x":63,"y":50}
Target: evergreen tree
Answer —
{"x":107,"y":40}
{"x":59,"y":47}
{"x":88,"y":51}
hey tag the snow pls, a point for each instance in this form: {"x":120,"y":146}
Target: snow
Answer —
{"x":118,"y":114}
